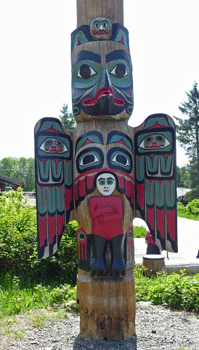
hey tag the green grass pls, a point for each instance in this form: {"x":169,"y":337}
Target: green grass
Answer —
{"x":19,"y":295}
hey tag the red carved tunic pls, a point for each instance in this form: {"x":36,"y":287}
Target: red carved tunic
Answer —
{"x":106,"y":214}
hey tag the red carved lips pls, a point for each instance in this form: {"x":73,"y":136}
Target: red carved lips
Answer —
{"x":102,"y":92}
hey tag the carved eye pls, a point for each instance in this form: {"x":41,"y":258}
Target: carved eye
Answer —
{"x":119,"y":71}
{"x":154,"y":141}
{"x":89,"y":158}
{"x":85,"y":71}
{"x":53,"y":145}
{"x":121,"y":159}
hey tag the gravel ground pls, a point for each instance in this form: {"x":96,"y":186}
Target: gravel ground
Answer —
{"x":156,"y":328}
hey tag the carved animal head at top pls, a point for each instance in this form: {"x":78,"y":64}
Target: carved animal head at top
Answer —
{"x":102,"y":80}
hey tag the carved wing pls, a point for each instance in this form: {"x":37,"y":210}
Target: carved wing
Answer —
{"x":155,"y":179}
{"x":54,"y":180}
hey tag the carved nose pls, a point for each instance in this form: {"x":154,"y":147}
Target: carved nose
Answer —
{"x":105,"y":79}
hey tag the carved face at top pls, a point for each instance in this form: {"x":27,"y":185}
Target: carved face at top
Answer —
{"x":102,"y":83}
{"x":101,"y":28}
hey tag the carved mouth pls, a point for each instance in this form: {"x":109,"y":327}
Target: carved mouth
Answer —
{"x":102,"y":92}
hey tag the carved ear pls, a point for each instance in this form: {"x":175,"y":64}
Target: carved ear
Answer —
{"x":54,"y":178}
{"x":155,"y":179}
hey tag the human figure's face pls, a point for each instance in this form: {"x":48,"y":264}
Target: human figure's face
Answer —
{"x":106,"y":184}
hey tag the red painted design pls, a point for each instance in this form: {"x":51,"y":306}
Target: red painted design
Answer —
{"x":107,"y":215}
{"x":60,"y":223}
{"x":121,"y":181}
{"x":82,"y":252}
{"x":161,"y":222}
{"x":133,"y":194}
{"x":102,"y":92}
{"x":78,"y":42}
{"x":87,"y":142}
{"x":52,"y":130}
{"x":82,"y":187}
{"x":128,"y":188}
{"x":171,"y":223}
{"x":122,"y":41}
{"x":42,"y":229}
{"x":140,"y":195}
{"x":157,"y":126}
{"x":51,"y":228}
{"x":89,"y":181}
{"x":130,"y":246}
{"x":69,"y":197}
{"x":150,"y":217}
{"x":76,"y":191}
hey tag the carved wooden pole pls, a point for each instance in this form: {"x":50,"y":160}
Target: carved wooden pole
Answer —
{"x":104,"y":173}
{"x":107,"y":302}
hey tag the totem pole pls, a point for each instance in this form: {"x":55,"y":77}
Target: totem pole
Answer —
{"x":104,"y":173}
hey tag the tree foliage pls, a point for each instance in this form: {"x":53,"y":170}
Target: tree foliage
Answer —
{"x":22,"y":169}
{"x":67,"y":118}
{"x":188,"y":131}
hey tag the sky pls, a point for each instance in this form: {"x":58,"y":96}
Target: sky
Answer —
{"x":35,"y":69}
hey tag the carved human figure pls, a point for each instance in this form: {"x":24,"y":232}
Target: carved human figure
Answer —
{"x":107,"y":213}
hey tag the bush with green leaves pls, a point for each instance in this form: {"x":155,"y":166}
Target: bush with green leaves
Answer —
{"x":179,"y":291}
{"x":190,"y":211}
{"x":18,"y":242}
{"x":17,"y":231}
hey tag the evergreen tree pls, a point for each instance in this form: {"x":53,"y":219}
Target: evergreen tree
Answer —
{"x":66,"y":118}
{"x":188,"y":131}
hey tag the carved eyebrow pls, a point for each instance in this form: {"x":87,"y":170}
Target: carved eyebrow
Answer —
{"x":118,"y":54}
{"x":86,"y":55}
{"x":103,"y":178}
{"x":89,"y":137}
{"x":119,"y":137}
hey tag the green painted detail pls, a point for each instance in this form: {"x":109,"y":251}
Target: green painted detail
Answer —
{"x":129,"y":110}
{"x":56,"y":169}
{"x":96,"y":73}
{"x":68,"y":173}
{"x":41,"y":200}
{"x":79,"y":38}
{"x":150,"y":192}
{"x":166,"y":163}
{"x":170,"y":193}
{"x":91,"y":138}
{"x":51,"y":124}
{"x":152,"y":164}
{"x":121,"y":36}
{"x":117,"y":138}
{"x":114,"y":160}
{"x":156,"y":120}
{"x":140,"y":168}
{"x":60,"y":198}
{"x":51,"y":200}
{"x":160,"y":193}
{"x":44,"y":169}
{"x":95,"y":162}
{"x":76,"y":110}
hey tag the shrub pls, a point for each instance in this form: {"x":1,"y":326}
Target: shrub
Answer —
{"x":18,"y":242}
{"x":17,"y":231}
{"x":139,"y":232}
{"x":188,"y":197}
